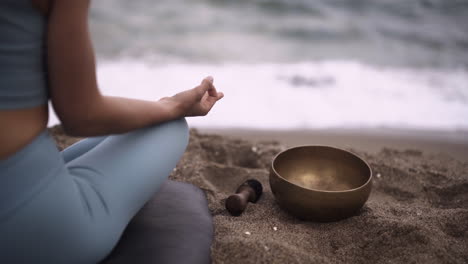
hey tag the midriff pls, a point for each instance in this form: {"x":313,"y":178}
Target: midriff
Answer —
{"x":18,"y":127}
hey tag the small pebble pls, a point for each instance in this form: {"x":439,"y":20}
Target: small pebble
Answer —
{"x":266,"y":248}
{"x":247,"y":233}
{"x":419,"y":213}
{"x":275,"y":228}
{"x":254,"y":149}
{"x":378,"y":175}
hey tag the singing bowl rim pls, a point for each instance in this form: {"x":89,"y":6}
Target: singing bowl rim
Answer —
{"x":369,"y":180}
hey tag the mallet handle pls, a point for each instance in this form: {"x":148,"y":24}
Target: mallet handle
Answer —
{"x":237,"y":203}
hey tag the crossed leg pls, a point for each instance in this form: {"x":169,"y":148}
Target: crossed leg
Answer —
{"x":96,"y":187}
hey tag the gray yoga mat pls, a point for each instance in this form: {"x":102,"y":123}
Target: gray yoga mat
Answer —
{"x":175,"y":226}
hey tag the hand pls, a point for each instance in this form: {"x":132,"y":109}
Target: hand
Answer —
{"x":197,"y":101}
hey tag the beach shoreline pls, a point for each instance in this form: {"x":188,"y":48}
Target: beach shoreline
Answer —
{"x":453,"y":143}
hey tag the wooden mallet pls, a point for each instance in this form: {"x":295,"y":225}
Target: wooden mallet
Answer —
{"x":249,"y":191}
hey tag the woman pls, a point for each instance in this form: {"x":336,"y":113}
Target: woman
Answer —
{"x":72,"y":206}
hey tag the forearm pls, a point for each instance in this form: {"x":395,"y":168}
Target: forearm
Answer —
{"x":76,"y":99}
{"x":114,"y":115}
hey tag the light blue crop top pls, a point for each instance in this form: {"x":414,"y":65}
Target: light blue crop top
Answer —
{"x":23,"y":77}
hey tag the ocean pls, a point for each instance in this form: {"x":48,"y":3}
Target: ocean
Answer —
{"x":293,"y":64}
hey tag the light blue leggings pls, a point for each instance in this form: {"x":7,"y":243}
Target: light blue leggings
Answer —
{"x":72,"y":206}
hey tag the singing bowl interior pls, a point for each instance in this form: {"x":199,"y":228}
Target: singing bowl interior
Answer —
{"x":320,"y":182}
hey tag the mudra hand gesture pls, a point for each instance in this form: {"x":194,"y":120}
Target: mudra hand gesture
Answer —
{"x":197,"y":101}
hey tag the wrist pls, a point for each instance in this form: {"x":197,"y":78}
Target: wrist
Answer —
{"x":171,"y":108}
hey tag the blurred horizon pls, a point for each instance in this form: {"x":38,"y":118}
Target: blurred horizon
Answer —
{"x":418,"y":33}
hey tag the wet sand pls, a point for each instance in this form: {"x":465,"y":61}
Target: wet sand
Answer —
{"x":370,"y":140}
{"x":417,"y":211}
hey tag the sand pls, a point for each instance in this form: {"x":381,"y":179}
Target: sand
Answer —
{"x":417,"y":211}
{"x":371,"y":140}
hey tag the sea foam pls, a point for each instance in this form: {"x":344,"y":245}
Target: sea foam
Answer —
{"x":325,"y":94}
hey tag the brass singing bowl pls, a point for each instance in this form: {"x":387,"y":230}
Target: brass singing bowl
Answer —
{"x":320,"y":183}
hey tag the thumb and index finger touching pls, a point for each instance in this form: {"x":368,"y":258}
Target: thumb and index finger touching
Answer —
{"x":207,"y":86}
